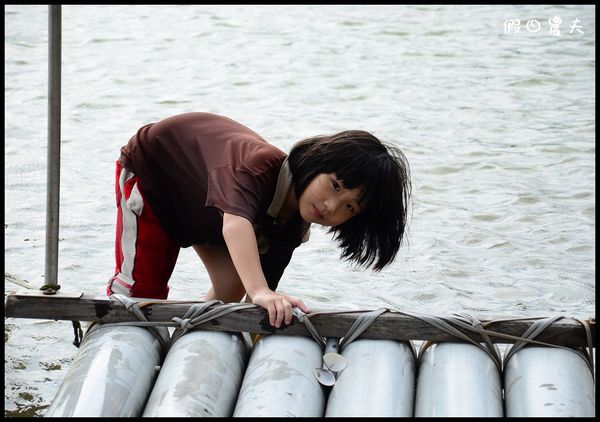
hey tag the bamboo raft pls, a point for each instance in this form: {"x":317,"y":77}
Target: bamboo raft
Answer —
{"x":129,"y":364}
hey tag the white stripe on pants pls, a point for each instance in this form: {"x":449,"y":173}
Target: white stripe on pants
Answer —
{"x":131,"y":208}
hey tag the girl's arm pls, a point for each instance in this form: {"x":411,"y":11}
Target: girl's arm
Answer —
{"x":239,"y":236}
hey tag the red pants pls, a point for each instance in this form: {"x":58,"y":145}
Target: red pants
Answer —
{"x":145,"y":254}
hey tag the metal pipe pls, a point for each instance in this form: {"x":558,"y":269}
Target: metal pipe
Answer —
{"x":53,"y":171}
{"x":379,"y":380}
{"x":549,"y":382}
{"x":200,"y":376}
{"x":457,"y":380}
{"x":279,"y":379}
{"x":112,"y":374}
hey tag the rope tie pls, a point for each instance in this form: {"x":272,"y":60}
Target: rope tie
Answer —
{"x":198,"y":314}
{"x":333,"y":361}
{"x":196,"y":309}
{"x":185,"y":324}
{"x":471,"y":324}
{"x":589,"y":351}
{"x":222,"y":310}
{"x":133,"y":306}
{"x":539,"y":326}
{"x":361,"y":323}
{"x":304,"y":319}
{"x":467,"y":322}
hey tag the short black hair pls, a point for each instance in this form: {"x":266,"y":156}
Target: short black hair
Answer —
{"x":359,"y":159}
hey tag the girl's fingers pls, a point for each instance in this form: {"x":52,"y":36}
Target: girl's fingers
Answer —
{"x":280,"y":309}
{"x":299,"y":304}
{"x":280,"y":312}
{"x":288,"y":312}
{"x":272,"y":314}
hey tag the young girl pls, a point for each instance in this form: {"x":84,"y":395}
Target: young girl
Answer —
{"x":206,"y":181}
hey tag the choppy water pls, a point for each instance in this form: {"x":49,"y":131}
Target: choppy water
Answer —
{"x":499,"y":129}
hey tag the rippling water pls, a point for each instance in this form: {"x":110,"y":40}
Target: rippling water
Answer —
{"x":499,"y":129}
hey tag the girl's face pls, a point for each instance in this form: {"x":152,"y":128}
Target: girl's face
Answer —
{"x":325,"y":201}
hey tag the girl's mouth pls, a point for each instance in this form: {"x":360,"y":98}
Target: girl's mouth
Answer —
{"x":316,"y":213}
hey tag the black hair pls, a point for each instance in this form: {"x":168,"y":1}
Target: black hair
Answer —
{"x":359,"y":159}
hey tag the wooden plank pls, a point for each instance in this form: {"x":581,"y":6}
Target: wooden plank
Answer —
{"x":389,"y":325}
{"x":60,"y":294}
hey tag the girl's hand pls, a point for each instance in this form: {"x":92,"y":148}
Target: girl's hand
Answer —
{"x":278,"y":305}
{"x":239,"y":236}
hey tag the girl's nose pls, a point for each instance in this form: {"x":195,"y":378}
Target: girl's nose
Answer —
{"x":331,"y":205}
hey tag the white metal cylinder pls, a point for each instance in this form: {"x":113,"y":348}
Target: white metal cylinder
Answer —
{"x":546,"y":381}
{"x":111,"y":375}
{"x":279,"y":379}
{"x":458,"y":379}
{"x":201,"y":376}
{"x":379,"y":380}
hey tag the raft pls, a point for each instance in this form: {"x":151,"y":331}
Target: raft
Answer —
{"x":208,"y":374}
{"x":198,"y":365}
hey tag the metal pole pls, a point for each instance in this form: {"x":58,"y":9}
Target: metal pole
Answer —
{"x":53,"y":173}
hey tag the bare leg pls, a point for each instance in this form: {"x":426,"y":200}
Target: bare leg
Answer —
{"x":226,"y":284}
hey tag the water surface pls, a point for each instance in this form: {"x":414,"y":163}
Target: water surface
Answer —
{"x":499,"y":130}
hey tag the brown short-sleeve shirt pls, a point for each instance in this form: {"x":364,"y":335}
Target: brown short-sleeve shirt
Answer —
{"x":194,"y":166}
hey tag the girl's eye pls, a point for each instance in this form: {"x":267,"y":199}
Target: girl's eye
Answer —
{"x":336,"y":185}
{"x":350,"y":208}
